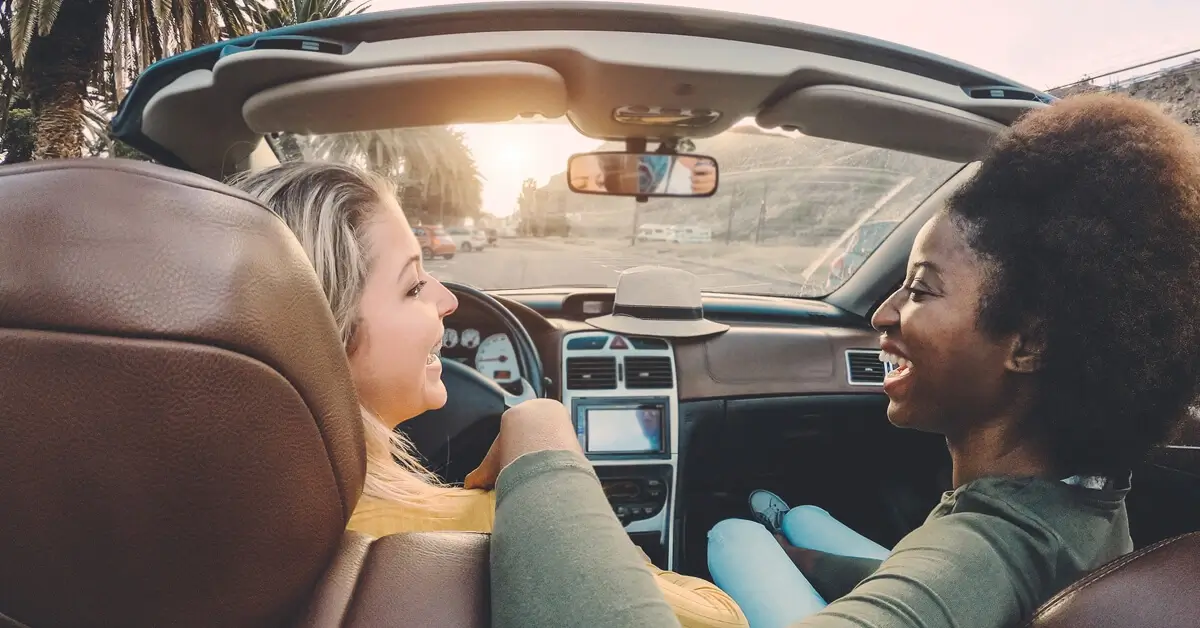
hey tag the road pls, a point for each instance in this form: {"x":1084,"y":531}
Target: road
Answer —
{"x":532,"y":262}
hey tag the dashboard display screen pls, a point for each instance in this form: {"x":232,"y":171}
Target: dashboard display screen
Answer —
{"x":624,"y":430}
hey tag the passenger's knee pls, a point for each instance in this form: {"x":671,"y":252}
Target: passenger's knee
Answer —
{"x":731,"y":529}
{"x":736,"y":526}
{"x":801,"y":515}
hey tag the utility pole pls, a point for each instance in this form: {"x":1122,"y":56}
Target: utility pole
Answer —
{"x":636,"y":210}
{"x":729,"y":228}
{"x":762,"y":214}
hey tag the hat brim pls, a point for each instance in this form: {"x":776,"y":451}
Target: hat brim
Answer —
{"x":622,"y":324}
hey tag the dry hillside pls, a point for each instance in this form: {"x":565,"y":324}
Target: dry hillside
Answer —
{"x":1177,"y":90}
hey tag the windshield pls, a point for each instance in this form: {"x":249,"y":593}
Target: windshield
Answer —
{"x":793,"y":215}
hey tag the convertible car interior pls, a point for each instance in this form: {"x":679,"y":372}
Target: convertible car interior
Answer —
{"x":159,"y":327}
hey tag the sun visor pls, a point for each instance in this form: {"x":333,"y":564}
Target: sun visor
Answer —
{"x":874,"y":118}
{"x":409,"y":96}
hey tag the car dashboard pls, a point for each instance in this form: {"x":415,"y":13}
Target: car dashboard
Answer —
{"x":626,"y":394}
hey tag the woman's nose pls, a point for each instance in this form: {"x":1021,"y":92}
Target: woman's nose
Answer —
{"x":447,"y":303}
{"x":888,"y":315}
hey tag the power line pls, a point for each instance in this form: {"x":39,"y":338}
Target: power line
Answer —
{"x":1126,"y":69}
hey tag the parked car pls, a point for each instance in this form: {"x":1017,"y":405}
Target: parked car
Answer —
{"x":435,"y":242}
{"x":468,"y":239}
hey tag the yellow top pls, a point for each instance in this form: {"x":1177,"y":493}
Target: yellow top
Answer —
{"x":697,"y":603}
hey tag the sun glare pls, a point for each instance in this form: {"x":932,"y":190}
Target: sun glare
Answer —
{"x":515,"y":155}
{"x":507,"y":154}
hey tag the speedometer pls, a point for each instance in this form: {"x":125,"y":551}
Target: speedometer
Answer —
{"x":497,"y":359}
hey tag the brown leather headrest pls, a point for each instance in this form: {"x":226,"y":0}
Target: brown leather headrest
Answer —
{"x":1155,"y":587}
{"x":181,"y":443}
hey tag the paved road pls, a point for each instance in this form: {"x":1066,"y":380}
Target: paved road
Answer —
{"x":531,"y":262}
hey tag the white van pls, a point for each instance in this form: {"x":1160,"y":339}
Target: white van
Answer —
{"x":655,"y":233}
{"x":691,"y":235}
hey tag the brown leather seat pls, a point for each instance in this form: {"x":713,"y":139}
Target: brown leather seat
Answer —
{"x":181,"y":443}
{"x":1156,"y":587}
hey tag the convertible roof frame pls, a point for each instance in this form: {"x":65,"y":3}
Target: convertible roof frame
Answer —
{"x":556,"y":16}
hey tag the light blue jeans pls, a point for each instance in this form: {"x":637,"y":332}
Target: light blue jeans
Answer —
{"x":747,"y":562}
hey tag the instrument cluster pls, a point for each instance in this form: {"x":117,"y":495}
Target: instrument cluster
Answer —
{"x":489,"y":352}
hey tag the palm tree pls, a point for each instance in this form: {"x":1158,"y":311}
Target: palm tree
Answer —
{"x":432,"y":166}
{"x":527,"y":208}
{"x":97,"y":117}
{"x":8,"y":72}
{"x":60,"y":47}
{"x":289,"y":12}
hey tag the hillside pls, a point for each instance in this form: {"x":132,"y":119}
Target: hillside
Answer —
{"x":1177,"y":90}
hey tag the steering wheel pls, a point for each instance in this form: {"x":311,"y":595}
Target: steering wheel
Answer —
{"x":454,"y":438}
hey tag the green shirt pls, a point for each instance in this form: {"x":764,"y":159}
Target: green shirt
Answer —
{"x":988,"y":555}
{"x":560,"y":557}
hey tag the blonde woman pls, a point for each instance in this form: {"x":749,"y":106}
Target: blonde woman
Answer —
{"x":389,"y":311}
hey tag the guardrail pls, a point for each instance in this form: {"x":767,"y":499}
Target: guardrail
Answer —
{"x":1141,"y":78}
{"x":1119,"y":84}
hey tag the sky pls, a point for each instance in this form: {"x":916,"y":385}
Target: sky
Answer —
{"x":1042,"y":43}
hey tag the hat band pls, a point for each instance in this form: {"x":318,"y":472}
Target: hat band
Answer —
{"x":661,"y":313}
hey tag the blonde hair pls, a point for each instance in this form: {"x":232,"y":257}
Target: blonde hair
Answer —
{"x":328,"y":207}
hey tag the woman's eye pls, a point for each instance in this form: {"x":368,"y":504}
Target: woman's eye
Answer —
{"x":916,"y":294}
{"x":416,"y":290}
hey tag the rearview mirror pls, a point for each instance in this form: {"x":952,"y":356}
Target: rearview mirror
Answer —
{"x":642,"y":174}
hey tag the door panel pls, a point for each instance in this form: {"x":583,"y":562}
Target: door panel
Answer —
{"x":1165,"y":499}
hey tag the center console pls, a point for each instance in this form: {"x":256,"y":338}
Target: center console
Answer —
{"x":622,"y":397}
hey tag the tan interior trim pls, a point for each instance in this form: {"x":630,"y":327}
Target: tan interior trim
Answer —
{"x":409,"y":96}
{"x":875,"y":118}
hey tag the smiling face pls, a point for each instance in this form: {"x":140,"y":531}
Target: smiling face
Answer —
{"x":650,"y":423}
{"x":950,"y":376}
{"x":586,"y":174}
{"x":393,"y":357}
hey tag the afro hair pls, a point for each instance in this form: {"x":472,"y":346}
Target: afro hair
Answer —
{"x":1087,"y":214}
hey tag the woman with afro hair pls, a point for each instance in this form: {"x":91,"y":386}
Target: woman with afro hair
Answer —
{"x":1048,"y":328}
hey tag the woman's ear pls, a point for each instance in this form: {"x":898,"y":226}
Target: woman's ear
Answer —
{"x":1027,"y":350}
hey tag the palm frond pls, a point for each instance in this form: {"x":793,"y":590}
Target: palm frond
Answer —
{"x":46,"y":14}
{"x":183,"y":23}
{"x":433,"y":161}
{"x":22,"y":26}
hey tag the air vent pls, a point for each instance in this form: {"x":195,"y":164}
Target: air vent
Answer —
{"x":642,"y":373}
{"x":591,"y":373}
{"x":864,"y":368}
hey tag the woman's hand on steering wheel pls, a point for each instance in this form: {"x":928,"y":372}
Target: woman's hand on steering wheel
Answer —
{"x":535,"y":425}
